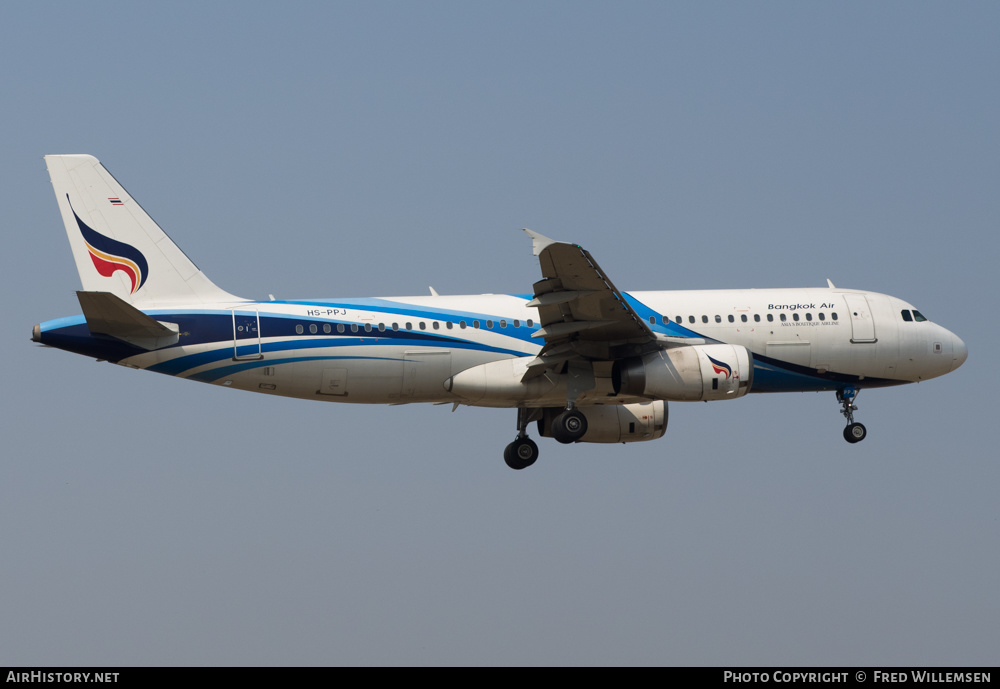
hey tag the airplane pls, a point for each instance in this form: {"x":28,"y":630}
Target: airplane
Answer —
{"x":584,"y":360}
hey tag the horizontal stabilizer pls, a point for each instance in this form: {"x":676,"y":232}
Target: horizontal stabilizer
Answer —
{"x":109,"y":315}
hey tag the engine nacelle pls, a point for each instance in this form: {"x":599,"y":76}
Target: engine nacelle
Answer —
{"x":616,"y":423}
{"x":687,"y":374}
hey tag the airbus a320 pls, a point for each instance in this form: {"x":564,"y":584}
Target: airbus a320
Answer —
{"x":584,"y":360}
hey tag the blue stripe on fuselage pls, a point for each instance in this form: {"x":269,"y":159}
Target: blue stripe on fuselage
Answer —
{"x":660,"y":324}
{"x":179,"y":365}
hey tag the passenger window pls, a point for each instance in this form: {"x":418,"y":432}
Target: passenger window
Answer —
{"x":795,"y":317}
{"x":809,"y":316}
{"x":690,"y":319}
{"x":354,"y":327}
{"x":381,"y":327}
{"x":299,"y":329}
{"x":756,"y":318}
{"x":313,"y":329}
{"x":530,"y":323}
{"x":733,"y":320}
{"x":437,"y":326}
{"x":783,"y":318}
{"x":475,"y":324}
{"x":503,"y":324}
{"x":770,"y":318}
{"x":743,"y":317}
{"x":408,"y":326}
{"x":489,"y":324}
{"x":461,"y":324}
{"x":652,"y":320}
{"x":517,"y":323}
{"x":704,"y":319}
{"x":395,"y":327}
{"x":340,"y":327}
{"x":821,"y":316}
{"x":450,"y":325}
{"x":664,"y":320}
{"x":833,"y":316}
{"x":423,"y":326}
{"x":718,"y":318}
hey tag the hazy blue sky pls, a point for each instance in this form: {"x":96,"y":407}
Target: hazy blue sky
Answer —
{"x":356,"y":149}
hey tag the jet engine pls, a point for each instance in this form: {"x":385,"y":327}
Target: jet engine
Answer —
{"x":617,"y":423}
{"x":686,"y":374}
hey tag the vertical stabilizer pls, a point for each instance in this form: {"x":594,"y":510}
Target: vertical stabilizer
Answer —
{"x":116,"y":245}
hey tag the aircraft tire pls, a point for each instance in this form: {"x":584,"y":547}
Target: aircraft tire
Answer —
{"x":569,"y":426}
{"x":521,"y":453}
{"x":855,"y":433}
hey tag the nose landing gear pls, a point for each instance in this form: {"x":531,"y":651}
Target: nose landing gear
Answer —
{"x":854,"y":432}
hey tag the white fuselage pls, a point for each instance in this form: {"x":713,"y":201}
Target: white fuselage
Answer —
{"x":404,"y":349}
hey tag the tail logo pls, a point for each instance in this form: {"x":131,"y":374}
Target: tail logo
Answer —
{"x":110,"y":255}
{"x":721,"y":367}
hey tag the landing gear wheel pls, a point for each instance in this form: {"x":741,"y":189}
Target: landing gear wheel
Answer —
{"x":521,"y":453}
{"x":855,"y":433}
{"x":569,"y":426}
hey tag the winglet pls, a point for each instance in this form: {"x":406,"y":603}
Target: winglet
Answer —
{"x":538,"y":241}
{"x":830,"y":283}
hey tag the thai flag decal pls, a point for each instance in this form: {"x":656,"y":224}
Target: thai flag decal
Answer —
{"x":110,"y":255}
{"x":721,"y":366}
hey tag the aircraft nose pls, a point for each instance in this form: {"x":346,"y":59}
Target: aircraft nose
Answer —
{"x":959,"y":352}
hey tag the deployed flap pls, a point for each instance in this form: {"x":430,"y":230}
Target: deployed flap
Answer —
{"x":578,"y":305}
{"x":109,"y":315}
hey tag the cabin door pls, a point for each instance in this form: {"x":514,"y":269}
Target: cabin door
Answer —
{"x":862,"y":324}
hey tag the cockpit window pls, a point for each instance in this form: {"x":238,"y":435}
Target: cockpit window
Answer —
{"x":906,"y":315}
{"x":917,"y":316}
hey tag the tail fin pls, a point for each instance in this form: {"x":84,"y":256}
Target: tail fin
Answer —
{"x":116,"y":245}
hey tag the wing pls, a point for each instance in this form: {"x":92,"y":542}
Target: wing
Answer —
{"x":583,"y":316}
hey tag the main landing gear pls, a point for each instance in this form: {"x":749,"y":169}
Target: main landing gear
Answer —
{"x":523,"y":452}
{"x":855,"y":432}
{"x":568,"y":427}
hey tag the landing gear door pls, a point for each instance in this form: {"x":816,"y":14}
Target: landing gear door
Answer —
{"x":862,"y":324}
{"x":246,"y":335}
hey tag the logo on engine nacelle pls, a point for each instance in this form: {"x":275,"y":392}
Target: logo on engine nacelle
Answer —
{"x":721,"y":366}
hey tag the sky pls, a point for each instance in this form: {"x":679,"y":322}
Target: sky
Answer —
{"x":331,"y":149}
